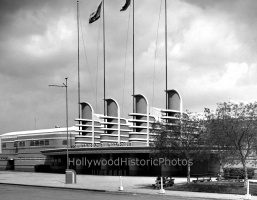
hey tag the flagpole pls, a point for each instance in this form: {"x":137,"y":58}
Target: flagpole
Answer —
{"x":166,"y":60}
{"x":104,"y":54}
{"x":78,"y":61}
{"x":133,"y":63}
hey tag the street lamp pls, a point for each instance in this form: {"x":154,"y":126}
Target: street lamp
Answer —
{"x":66,"y":87}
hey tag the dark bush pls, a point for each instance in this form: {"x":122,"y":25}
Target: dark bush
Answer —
{"x":250,"y":172}
{"x":226,"y":172}
{"x":237,"y":172}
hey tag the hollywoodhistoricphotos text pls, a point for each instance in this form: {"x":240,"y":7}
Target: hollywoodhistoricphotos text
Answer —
{"x":129,"y":162}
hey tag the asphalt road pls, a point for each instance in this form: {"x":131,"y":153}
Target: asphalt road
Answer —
{"x":16,"y":192}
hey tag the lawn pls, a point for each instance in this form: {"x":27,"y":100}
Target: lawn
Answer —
{"x":216,"y":187}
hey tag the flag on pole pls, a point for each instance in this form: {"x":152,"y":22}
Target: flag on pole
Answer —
{"x":126,"y":5}
{"x":95,"y":15}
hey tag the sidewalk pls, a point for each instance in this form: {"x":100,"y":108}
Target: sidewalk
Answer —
{"x":103,"y":183}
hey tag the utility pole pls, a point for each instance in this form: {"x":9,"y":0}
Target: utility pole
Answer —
{"x":67,"y":123}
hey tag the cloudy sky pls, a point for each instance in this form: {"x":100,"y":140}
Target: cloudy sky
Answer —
{"x":212,"y":56}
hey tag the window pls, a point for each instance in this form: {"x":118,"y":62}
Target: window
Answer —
{"x":64,"y":142}
{"x":42,"y":142}
{"x":4,"y":145}
{"x":15,"y":144}
{"x":37,"y":143}
{"x":22,"y":144}
{"x":32,"y":143}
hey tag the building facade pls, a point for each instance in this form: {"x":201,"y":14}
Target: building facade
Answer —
{"x":101,"y":144}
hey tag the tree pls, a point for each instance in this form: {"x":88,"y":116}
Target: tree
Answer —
{"x":216,"y":140}
{"x":233,"y":130}
{"x":182,"y":135}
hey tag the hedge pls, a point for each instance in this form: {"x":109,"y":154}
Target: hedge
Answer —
{"x":238,"y":172}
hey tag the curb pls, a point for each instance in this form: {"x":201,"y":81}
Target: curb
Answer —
{"x":46,"y":186}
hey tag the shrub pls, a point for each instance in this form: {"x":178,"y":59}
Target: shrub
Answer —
{"x":238,"y":172}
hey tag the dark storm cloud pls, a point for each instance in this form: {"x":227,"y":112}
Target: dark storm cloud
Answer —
{"x":21,"y":17}
{"x":21,"y":20}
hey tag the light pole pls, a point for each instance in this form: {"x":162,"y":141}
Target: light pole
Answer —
{"x":66,"y":87}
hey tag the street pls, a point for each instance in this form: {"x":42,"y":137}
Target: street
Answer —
{"x":14,"y":192}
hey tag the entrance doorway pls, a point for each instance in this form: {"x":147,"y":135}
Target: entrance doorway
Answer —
{"x":10,"y":165}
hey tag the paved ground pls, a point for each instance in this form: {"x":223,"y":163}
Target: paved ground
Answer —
{"x":20,"y":192}
{"x":104,"y":183}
